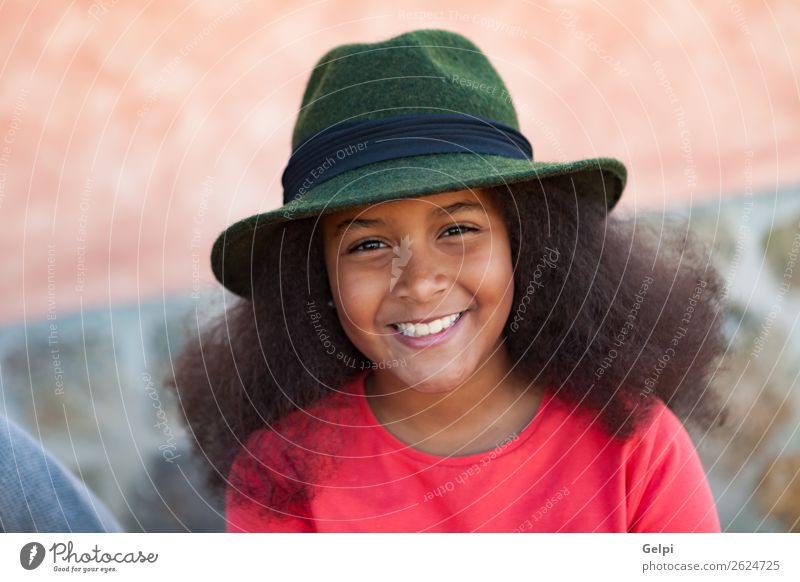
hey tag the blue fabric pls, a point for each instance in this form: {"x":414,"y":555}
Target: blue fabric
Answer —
{"x":353,"y":144}
{"x":39,"y":494}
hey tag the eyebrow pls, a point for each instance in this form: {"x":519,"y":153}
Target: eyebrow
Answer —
{"x":438,"y":211}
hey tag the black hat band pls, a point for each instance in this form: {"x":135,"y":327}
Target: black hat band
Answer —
{"x":353,"y":144}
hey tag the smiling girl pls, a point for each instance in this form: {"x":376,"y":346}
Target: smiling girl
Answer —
{"x":436,"y":333}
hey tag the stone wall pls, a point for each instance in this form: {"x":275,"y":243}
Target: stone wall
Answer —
{"x":87,"y":385}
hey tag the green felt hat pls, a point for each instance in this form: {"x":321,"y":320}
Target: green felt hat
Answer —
{"x":421,"y":113}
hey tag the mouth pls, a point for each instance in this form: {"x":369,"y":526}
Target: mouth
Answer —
{"x":433,"y":327}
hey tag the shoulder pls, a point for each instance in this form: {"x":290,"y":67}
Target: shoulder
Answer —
{"x":665,"y":479}
{"x":661,"y":433}
{"x":658,"y":433}
{"x":653,"y":422}
{"x":310,"y":428}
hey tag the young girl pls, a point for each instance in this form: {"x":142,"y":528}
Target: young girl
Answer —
{"x":436,"y":333}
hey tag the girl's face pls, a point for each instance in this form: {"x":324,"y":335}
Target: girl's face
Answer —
{"x":423,"y":287}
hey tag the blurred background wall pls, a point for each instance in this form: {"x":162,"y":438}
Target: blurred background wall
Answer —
{"x":132,"y":133}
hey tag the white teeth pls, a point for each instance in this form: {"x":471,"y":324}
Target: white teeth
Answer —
{"x":423,"y":329}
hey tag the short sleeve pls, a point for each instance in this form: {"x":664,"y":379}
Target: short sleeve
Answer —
{"x":667,"y":487}
{"x":246,"y":507}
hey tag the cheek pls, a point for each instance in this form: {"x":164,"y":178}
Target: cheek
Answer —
{"x":490,"y":273}
{"x":359,"y":296}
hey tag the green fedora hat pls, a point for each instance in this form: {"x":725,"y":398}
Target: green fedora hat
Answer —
{"x":421,"y":113}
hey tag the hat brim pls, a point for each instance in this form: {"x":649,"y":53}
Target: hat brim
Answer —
{"x":233,"y":251}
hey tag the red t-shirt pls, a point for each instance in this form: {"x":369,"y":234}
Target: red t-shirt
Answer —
{"x":561,"y":473}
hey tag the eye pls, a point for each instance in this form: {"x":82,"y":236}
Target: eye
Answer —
{"x":367,"y":245}
{"x":460,"y":228}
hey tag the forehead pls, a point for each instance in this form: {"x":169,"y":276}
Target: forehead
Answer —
{"x":477,"y":196}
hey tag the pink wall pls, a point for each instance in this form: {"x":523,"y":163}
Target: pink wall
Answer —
{"x":132,"y":134}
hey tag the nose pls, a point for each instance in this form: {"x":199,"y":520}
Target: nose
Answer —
{"x":418,"y":274}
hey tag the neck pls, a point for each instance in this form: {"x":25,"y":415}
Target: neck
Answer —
{"x":477,"y":402}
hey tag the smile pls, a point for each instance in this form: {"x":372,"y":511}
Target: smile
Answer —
{"x":429,"y":327}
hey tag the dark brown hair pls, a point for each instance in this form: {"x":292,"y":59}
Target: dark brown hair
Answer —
{"x":612,"y":310}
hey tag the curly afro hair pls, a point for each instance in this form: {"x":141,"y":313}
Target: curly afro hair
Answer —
{"x":628,"y":313}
